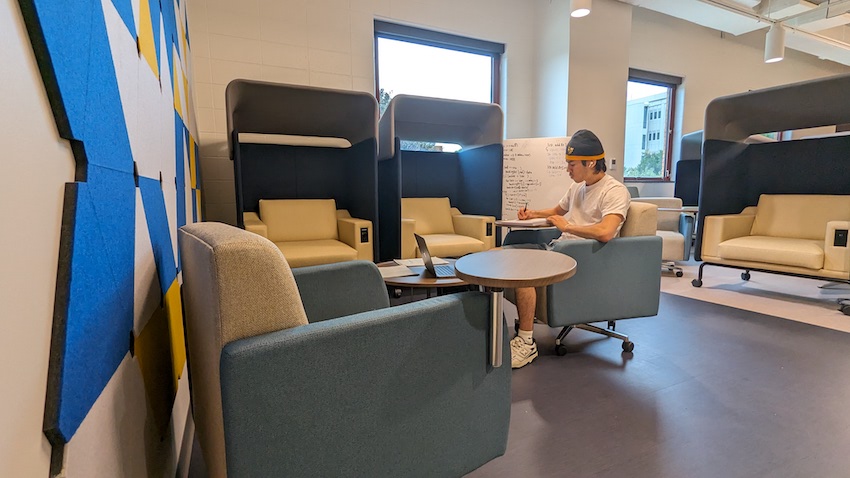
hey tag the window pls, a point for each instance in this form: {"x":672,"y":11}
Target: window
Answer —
{"x":426,"y":63}
{"x":649,"y":140}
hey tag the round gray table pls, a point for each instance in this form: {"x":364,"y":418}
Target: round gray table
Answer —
{"x":501,"y":269}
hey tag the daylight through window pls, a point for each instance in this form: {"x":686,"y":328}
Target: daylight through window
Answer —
{"x":649,"y":125}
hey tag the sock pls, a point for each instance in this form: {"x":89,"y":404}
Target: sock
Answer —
{"x":526,"y":335}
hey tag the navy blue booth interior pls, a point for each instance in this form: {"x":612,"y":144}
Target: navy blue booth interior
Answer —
{"x":471,"y":178}
{"x":734,"y":173}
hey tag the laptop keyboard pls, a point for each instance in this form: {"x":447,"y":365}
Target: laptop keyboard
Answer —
{"x":445,"y":270}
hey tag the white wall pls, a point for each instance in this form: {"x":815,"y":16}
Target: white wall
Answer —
{"x":551,"y":66}
{"x":36,"y":164}
{"x":329,"y":43}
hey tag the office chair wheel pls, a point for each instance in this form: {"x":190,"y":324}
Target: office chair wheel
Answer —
{"x":612,"y":324}
{"x":745,"y":275}
{"x":679,"y":273}
{"x":561,"y":350}
{"x":845,"y":308}
{"x":397,"y":293}
{"x":696,"y":283}
{"x":628,"y":346}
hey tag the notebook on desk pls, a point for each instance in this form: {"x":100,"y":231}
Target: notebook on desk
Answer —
{"x":441,"y":271}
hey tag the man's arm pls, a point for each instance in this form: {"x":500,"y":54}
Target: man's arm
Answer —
{"x":531,"y":213}
{"x":603,"y":231}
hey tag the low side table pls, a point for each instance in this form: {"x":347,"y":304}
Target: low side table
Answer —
{"x":421,"y":280}
{"x":500,"y":269}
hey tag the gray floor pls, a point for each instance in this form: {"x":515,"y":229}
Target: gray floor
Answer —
{"x":710,"y":391}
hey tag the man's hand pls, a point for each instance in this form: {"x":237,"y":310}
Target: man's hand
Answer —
{"x":524,"y":213}
{"x":559,"y":221}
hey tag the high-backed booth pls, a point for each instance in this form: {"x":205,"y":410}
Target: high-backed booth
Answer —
{"x":686,"y":186}
{"x":299,"y":142}
{"x":788,"y":195}
{"x":471,"y":178}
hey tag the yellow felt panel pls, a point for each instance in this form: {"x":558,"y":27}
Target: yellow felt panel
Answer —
{"x":147,"y":44}
{"x":174,"y":309}
{"x":178,"y":105}
{"x":151,"y":350}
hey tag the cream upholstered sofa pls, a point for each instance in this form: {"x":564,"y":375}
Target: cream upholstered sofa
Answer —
{"x":794,"y":234}
{"x":447,"y":232}
{"x":312,"y":231}
{"x":675,"y":229}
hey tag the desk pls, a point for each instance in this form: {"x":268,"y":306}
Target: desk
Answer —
{"x":499,"y":269}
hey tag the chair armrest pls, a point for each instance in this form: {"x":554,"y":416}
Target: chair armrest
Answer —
{"x":408,"y":242}
{"x":531,"y":236}
{"x":254,"y":224}
{"x":836,"y":258}
{"x":478,"y":227}
{"x":343,"y":288}
{"x":350,"y":231}
{"x":299,"y":402}
{"x":717,"y":229}
{"x":628,"y":267}
{"x":686,"y":228}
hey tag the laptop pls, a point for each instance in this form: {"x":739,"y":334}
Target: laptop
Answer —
{"x":440,"y":271}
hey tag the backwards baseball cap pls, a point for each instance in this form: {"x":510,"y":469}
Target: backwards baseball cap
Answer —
{"x":584,"y":146}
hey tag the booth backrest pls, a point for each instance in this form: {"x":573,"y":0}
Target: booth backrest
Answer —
{"x":800,"y":216}
{"x":299,"y":219}
{"x":432,"y":215}
{"x":641,"y":220}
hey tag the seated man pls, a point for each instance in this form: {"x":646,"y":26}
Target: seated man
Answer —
{"x":594,"y":207}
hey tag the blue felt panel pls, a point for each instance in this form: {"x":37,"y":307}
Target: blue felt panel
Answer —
{"x":98,"y":307}
{"x":125,"y":10}
{"x":153,"y":11}
{"x":181,"y":140}
{"x":169,"y":23}
{"x":157,"y":219}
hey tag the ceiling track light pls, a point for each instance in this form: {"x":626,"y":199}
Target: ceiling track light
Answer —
{"x":774,"y":44}
{"x":579,"y":8}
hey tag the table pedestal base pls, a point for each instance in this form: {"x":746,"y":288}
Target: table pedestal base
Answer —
{"x":497,"y":325}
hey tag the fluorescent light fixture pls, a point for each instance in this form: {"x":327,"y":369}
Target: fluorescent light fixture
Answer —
{"x":579,"y":8}
{"x":774,"y":44}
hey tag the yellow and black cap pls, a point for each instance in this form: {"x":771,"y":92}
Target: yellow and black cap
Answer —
{"x":584,"y":146}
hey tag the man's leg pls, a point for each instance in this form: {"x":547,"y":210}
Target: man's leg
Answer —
{"x":523,"y":347}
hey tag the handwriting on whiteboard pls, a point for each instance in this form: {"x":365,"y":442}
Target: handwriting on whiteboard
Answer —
{"x":535,"y":173}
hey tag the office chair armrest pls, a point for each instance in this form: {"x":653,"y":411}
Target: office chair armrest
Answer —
{"x":292,"y":400}
{"x":343,"y":288}
{"x":353,"y":231}
{"x":478,"y":227}
{"x":254,"y":224}
{"x":717,"y":229}
{"x":531,"y":236}
{"x":408,"y":242}
{"x":836,"y":257}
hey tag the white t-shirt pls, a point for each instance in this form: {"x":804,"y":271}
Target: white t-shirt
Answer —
{"x":587,"y":205}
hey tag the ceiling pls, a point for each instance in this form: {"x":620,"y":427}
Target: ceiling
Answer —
{"x":816,"y":27}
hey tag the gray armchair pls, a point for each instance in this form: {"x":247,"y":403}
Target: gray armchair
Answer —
{"x":309,"y":372}
{"x":676,"y":230}
{"x":616,"y":280}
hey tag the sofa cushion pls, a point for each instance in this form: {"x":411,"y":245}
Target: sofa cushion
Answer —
{"x":801,"y":216}
{"x":299,"y":219}
{"x":774,"y":250}
{"x":673,"y":245}
{"x":451,"y":245}
{"x":432,"y":215}
{"x":311,"y":253}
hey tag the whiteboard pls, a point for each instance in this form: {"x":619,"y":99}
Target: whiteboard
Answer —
{"x":535,"y":171}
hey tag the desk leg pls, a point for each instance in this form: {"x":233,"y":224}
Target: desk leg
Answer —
{"x":496,"y":326}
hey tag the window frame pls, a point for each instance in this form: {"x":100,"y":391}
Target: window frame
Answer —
{"x":421,"y":36}
{"x":671,"y":83}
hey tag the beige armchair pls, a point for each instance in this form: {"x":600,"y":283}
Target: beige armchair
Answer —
{"x":675,"y":229}
{"x":311,"y":231}
{"x":447,"y":232}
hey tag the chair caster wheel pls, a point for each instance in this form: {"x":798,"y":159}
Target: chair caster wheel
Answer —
{"x":561,"y":350}
{"x":696,"y":283}
{"x":396,"y":293}
{"x":612,"y":324}
{"x":628,"y":346}
{"x":679,"y":273}
{"x":745,"y":275}
{"x":845,"y":309}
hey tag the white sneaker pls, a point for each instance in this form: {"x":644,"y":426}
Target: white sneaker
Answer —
{"x":522,"y":353}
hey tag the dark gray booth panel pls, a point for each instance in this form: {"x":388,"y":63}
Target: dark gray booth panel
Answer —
{"x":734,"y":173}
{"x":470,"y":178}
